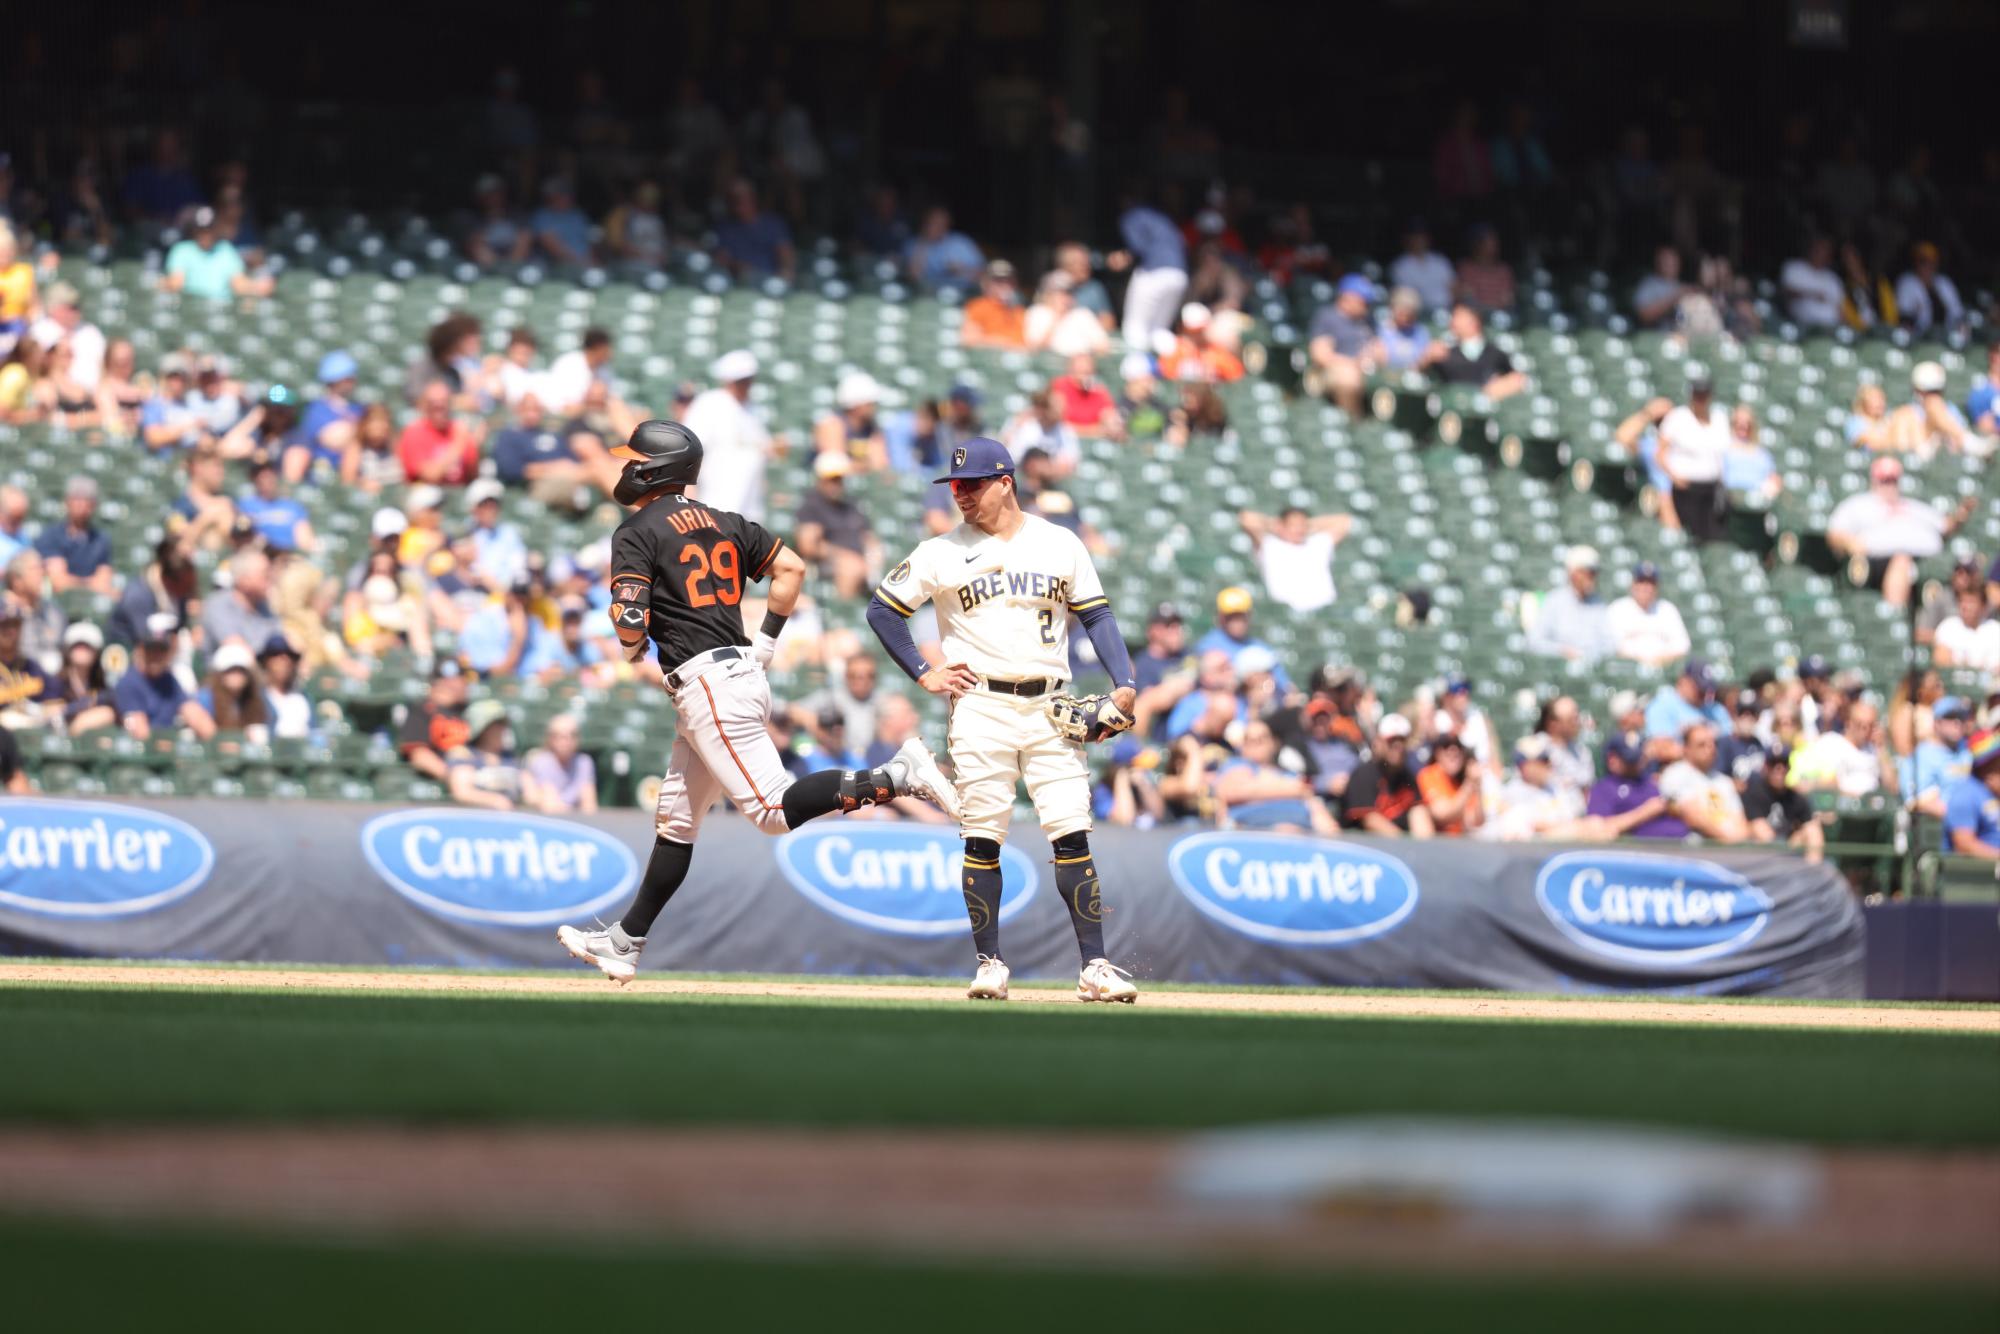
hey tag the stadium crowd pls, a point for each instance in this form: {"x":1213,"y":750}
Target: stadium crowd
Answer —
{"x":1226,"y":733}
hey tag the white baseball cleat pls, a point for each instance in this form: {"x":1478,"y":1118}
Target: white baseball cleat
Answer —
{"x":599,"y":949}
{"x":915,"y":771}
{"x":990,"y":982}
{"x":1103,"y":980}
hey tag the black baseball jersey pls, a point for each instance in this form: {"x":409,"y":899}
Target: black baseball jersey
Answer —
{"x":693,"y":562}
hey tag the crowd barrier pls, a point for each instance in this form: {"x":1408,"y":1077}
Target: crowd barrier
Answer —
{"x":341,"y":883}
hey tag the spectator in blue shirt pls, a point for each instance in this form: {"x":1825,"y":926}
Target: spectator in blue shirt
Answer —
{"x":1402,"y":339}
{"x":77,"y":551}
{"x":14,"y":538}
{"x":1982,"y":405}
{"x":1232,"y":633}
{"x":149,"y":697}
{"x":1747,"y":465}
{"x":1341,"y":336}
{"x":502,"y":559}
{"x":216,"y":401}
{"x":1972,"y":804}
{"x":529,"y":454}
{"x":204,"y":265}
{"x":560,"y":227}
{"x":329,"y":423}
{"x":165,"y":420}
{"x":1689,"y":700}
{"x":497,"y":236}
{"x":1157,"y":256}
{"x":1942,"y":760}
{"x":552,"y":654}
{"x":937,"y":256}
{"x":751,"y":242}
{"x":281,"y":521}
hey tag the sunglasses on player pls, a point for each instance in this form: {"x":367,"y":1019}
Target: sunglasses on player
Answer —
{"x":971,"y":486}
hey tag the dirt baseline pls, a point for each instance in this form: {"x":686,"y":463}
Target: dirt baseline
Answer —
{"x":1089,"y":1198}
{"x":1471,"y":1006}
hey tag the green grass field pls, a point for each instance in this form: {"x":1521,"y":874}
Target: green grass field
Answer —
{"x":214,"y":1055}
{"x":110,"y":1054}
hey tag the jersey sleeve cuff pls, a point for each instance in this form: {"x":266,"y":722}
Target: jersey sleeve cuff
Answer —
{"x":894,"y":604}
{"x":1087,"y":603}
{"x":777,"y":545}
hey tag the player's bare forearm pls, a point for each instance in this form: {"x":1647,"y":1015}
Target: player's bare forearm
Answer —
{"x":788,"y":577}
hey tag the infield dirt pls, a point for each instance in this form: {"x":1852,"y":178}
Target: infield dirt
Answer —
{"x":1389,"y":1006}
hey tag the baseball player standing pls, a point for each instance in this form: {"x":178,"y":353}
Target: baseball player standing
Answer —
{"x":1004,"y":583}
{"x":678,"y":570}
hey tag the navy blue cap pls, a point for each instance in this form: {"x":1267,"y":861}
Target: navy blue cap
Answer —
{"x":1814,"y":668}
{"x":1777,"y":753}
{"x":1457,"y":685}
{"x":1703,"y":674}
{"x":1646,"y":572}
{"x":1627,"y":748}
{"x":976,"y":458}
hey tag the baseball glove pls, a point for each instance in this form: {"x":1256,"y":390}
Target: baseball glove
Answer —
{"x":1092,"y":718}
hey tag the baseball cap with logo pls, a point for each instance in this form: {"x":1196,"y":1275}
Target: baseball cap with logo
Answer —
{"x":1625,"y":749}
{"x":1645,"y":572}
{"x":1234,"y":600}
{"x":978,"y":458}
{"x":1703,"y":675}
{"x":1814,"y":668}
{"x":1166,"y":613}
{"x":1951,"y":706}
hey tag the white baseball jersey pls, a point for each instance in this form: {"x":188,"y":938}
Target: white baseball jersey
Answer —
{"x":1003,"y":604}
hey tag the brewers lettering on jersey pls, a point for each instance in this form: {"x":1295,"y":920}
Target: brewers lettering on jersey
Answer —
{"x":678,"y":574}
{"x":1004,"y":584}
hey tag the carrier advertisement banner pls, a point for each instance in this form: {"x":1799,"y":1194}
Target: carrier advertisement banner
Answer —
{"x":446,"y":887}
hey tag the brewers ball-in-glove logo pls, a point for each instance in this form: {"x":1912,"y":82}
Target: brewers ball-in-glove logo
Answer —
{"x":958,"y":458}
{"x":900,"y":573}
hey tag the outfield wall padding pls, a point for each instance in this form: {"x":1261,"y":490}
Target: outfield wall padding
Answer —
{"x":353,"y":884}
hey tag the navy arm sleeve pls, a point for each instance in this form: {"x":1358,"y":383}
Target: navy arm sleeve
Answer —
{"x":892,"y":627}
{"x":1102,"y":627}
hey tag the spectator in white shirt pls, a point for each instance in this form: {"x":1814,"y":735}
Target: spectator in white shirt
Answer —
{"x":1694,"y":438}
{"x":569,"y":378}
{"x":736,"y":446}
{"x":1423,"y":268}
{"x":1704,"y":800}
{"x":1850,"y":760}
{"x":1041,"y":427}
{"x":62,"y":321}
{"x":1926,"y":300}
{"x":1812,"y":289}
{"x":1056,"y":323}
{"x":1891,"y":530}
{"x":1971,"y":638}
{"x":1645,"y":627}
{"x":1295,"y":552}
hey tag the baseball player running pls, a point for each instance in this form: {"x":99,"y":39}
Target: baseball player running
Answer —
{"x":678,"y":569}
{"x":1004,"y":583}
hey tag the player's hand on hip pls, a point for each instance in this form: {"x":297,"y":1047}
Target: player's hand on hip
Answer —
{"x":951,"y":680}
{"x":1127,"y":700}
{"x":763,"y":648}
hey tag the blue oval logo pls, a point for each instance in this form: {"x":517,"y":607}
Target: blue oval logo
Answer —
{"x":1646,"y":908}
{"x":902,"y":879}
{"x":92,"y":859}
{"x":499,"y":868}
{"x":1291,"y":890}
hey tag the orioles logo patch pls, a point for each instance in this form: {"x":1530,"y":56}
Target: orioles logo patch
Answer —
{"x":957,"y":458}
{"x":900,"y":573}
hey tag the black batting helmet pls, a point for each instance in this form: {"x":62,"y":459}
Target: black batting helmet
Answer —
{"x":660,"y":453}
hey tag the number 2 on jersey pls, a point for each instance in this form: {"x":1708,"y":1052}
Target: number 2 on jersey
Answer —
{"x":723,"y":565}
{"x":1048,"y":615}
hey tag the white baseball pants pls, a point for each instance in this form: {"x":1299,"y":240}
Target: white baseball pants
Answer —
{"x":724,"y":748}
{"x":996,"y":740}
{"x":1152,"y":303}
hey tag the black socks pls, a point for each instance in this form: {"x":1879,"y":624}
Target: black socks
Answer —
{"x":665,"y":870}
{"x":982,"y":894}
{"x":828,"y":790}
{"x":1076,"y":882}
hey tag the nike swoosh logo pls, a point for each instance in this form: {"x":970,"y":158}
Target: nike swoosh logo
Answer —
{"x":973,"y":557}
